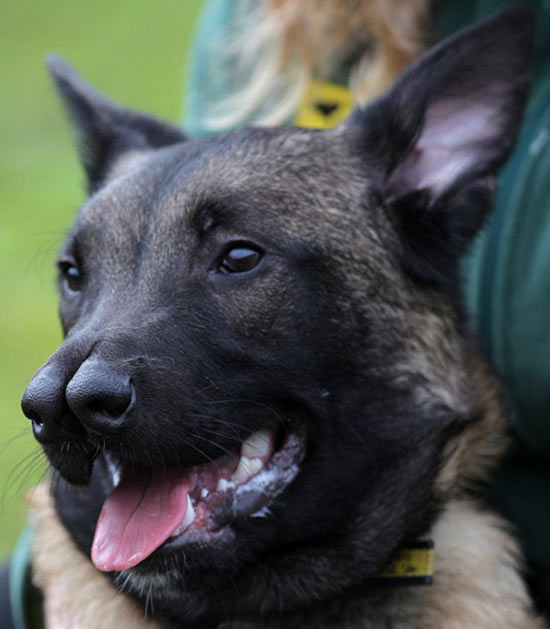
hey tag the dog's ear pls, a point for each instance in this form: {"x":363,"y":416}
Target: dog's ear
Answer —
{"x":438,"y":138}
{"x":105,"y":131}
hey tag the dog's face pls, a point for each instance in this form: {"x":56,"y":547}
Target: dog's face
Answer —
{"x":262,"y":364}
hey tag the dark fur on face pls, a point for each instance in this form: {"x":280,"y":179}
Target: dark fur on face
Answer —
{"x":346,"y":332}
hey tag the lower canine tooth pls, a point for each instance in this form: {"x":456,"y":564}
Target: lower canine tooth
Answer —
{"x":187,"y":520}
{"x":189,"y":513}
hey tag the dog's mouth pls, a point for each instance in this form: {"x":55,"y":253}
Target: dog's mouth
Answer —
{"x":174,"y":507}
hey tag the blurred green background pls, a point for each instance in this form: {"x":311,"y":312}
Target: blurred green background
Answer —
{"x":135,"y":51}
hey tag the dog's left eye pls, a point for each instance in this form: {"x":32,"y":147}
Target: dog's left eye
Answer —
{"x":70,"y":273}
{"x":240,"y":259}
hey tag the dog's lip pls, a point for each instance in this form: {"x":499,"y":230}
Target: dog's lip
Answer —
{"x":231,"y":468}
{"x":216,"y":501}
{"x":252,"y":498}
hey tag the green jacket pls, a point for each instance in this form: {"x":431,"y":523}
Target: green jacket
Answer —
{"x":506,"y":275}
{"x":507,"y":292}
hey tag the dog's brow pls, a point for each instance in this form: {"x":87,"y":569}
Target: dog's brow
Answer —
{"x":208,"y":214}
{"x":204,"y":217}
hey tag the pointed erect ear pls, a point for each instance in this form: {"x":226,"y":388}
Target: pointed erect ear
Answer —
{"x":105,"y":131}
{"x":438,"y":138}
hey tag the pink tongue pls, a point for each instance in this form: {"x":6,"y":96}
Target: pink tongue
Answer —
{"x":140,"y":514}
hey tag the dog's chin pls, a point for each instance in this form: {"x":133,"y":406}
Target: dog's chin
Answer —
{"x":173,"y":528}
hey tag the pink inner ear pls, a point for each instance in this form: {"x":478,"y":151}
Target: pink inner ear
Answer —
{"x":450,"y":144}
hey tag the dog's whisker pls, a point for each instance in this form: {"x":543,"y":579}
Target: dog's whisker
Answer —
{"x":234,"y":436}
{"x":209,"y":386}
{"x":187,"y":443}
{"x":20,"y":474}
{"x":220,"y":447}
{"x":6,"y":443}
{"x":149,"y":602}
{"x":262,"y":405}
{"x":234,"y":426}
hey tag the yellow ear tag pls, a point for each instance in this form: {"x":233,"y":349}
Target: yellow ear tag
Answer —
{"x":324,"y":105}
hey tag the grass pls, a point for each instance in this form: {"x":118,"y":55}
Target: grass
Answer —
{"x":136,"y":52}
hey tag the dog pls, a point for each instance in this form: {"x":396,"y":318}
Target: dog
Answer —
{"x":266,"y":393}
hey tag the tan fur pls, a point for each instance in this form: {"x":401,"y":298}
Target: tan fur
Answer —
{"x":476,"y":580}
{"x":76,"y":595}
{"x":447,"y":373}
{"x":470,"y":457}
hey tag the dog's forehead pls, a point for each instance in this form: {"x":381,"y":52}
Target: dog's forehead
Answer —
{"x":266,"y":174}
{"x":289,"y":190}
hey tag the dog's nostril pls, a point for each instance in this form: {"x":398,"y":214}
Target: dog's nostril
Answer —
{"x":113,"y":407}
{"x":28,"y":404}
{"x":43,"y":403}
{"x":101,"y":398}
{"x":37,"y":427}
{"x":34,"y":417}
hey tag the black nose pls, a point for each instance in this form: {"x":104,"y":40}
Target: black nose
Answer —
{"x":101,"y":397}
{"x":44,"y":404}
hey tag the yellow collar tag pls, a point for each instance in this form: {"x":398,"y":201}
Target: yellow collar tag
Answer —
{"x":324,"y":105}
{"x":411,"y":565}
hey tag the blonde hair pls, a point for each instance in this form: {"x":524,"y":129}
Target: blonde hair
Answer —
{"x":278,"y":46}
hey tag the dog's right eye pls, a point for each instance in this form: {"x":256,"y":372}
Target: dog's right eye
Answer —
{"x":240,"y":259}
{"x":70,"y":275}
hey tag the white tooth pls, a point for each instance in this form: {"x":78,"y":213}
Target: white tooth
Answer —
{"x":114,"y":469}
{"x":188,"y":518}
{"x":255,"y":466}
{"x":246,"y":469}
{"x":260,"y":444}
{"x":264,"y":512}
{"x":204,"y":493}
{"x":242,"y":472}
{"x":189,"y":513}
{"x":224,"y":484}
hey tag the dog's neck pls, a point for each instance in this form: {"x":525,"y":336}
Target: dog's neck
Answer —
{"x":476,"y":575}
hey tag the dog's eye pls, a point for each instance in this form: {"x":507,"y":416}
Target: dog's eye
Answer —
{"x":240,"y":259}
{"x":71,"y":275}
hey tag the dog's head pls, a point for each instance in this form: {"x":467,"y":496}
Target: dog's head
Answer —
{"x":263,"y":361}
